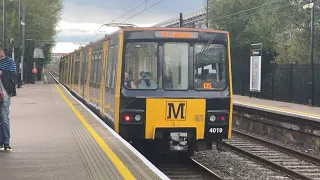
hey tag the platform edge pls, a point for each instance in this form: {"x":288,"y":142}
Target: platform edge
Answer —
{"x":296,"y":114}
{"x":129,"y":146}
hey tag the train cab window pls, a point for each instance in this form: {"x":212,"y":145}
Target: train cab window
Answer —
{"x":209,"y":67}
{"x":141,"y":65}
{"x":176,"y":57}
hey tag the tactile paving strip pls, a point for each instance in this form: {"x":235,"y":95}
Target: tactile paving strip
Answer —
{"x":97,"y":162}
{"x":129,"y":159}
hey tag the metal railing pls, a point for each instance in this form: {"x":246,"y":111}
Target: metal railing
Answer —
{"x":188,"y":18}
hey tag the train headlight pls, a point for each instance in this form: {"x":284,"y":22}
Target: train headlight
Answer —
{"x":137,"y":117}
{"x":213,"y":118}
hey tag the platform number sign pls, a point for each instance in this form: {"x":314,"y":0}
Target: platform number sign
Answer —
{"x":255,"y":67}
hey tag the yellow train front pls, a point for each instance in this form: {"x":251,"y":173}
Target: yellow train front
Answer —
{"x":171,"y":86}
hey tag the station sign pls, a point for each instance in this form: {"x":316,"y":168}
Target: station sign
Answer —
{"x":255,"y":67}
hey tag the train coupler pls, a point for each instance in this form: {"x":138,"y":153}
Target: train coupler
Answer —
{"x":219,"y":144}
{"x":178,"y":142}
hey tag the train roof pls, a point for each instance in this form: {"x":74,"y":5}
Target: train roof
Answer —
{"x":107,"y":36}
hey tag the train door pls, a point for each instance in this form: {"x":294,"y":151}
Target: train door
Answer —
{"x":76,"y":68}
{"x":88,"y":74}
{"x":69,"y":70}
{"x":103,"y":78}
{"x":73,"y":60}
{"x":84,"y":72}
{"x":79,"y":74}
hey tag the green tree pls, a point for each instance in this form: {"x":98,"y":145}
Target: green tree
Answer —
{"x":281,"y":25}
{"x":42,"y":17}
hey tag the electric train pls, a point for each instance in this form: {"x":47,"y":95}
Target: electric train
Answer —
{"x":170,"y":86}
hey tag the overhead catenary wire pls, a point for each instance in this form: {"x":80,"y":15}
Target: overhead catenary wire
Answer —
{"x":243,"y":11}
{"x":222,"y":17}
{"x":144,"y":3}
{"x":134,"y":15}
{"x":143,"y":11}
{"x":266,"y":10}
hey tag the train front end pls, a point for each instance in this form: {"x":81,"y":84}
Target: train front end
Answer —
{"x":176,"y":88}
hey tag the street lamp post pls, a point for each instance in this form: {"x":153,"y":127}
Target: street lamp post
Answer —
{"x":23,"y":31}
{"x":311,"y":6}
{"x":19,"y":46}
{"x":312,"y":63}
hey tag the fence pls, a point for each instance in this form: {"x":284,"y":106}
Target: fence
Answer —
{"x":289,"y":83}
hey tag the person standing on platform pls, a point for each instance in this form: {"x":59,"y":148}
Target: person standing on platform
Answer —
{"x":8,"y":77}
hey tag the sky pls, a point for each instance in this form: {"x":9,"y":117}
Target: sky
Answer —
{"x":81,"y":19}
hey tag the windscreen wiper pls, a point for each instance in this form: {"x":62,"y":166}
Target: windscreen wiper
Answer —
{"x":207,"y":45}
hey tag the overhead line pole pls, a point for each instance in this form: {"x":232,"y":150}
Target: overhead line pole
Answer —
{"x":311,"y":6}
{"x":181,"y":20}
{"x":19,"y":47}
{"x":312,"y":44}
{"x":23,"y":28}
{"x":4,"y":24}
{"x":207,"y":14}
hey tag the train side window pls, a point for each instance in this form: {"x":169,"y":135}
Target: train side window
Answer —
{"x":109,"y":66}
{"x":114,"y":64}
{"x":100,"y":67}
{"x":106,"y":64}
{"x":92,"y":69}
{"x":85,"y":67}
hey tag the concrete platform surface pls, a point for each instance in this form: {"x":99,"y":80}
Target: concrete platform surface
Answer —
{"x":290,"y":109}
{"x":51,"y":141}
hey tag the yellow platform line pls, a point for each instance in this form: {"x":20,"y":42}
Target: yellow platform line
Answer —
{"x":112,"y":156}
{"x":279,"y":109}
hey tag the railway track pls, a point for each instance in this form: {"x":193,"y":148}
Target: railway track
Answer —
{"x":181,"y":168}
{"x":292,"y":163}
{"x":54,"y":73}
{"x":50,"y":75}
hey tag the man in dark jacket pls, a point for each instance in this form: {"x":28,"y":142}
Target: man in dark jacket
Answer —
{"x":8,"y":74}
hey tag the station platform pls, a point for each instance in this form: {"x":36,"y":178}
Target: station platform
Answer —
{"x":283,"y":108}
{"x":54,"y":136}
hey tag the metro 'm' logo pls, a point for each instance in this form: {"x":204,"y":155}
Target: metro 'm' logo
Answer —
{"x":176,"y":111}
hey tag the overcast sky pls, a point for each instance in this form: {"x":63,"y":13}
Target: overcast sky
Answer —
{"x":81,"y":19}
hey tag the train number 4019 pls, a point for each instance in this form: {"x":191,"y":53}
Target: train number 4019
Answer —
{"x":215,"y":130}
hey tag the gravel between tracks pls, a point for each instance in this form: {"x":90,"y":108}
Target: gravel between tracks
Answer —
{"x":231,"y":166}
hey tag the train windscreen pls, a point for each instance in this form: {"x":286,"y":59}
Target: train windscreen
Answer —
{"x":175,"y":65}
